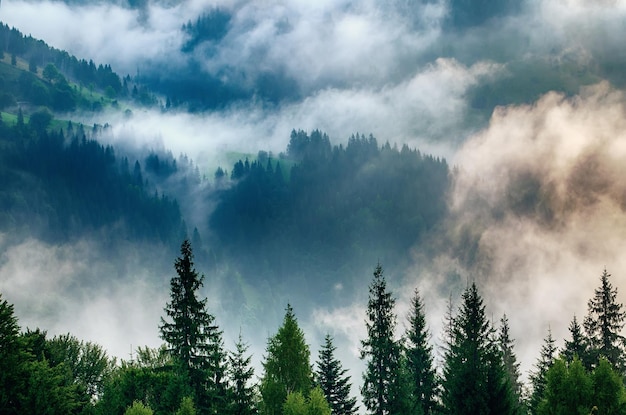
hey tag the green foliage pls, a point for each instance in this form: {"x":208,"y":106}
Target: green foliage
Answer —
{"x":609,"y":395}
{"x":419,"y":360}
{"x":242,"y":397}
{"x":50,"y":72}
{"x":604,"y":322}
{"x":568,"y":390}
{"x":506,"y":349}
{"x":57,"y":185}
{"x":577,"y":346}
{"x":193,"y":339}
{"x":48,"y":390}
{"x":40,"y":120}
{"x":287,"y":367}
{"x":475,"y":380}
{"x":12,"y":359}
{"x":186,"y":407}
{"x":32,"y":64}
{"x":380,"y":350}
{"x":138,"y":408}
{"x":538,"y":379}
{"x":295,"y":404}
{"x":315,"y":404}
{"x":151,"y":379}
{"x":333,"y":381}
{"x":87,"y":363}
{"x":466,"y":358}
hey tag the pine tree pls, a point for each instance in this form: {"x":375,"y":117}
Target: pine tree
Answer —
{"x":242,"y":397}
{"x":538,"y":379}
{"x":332,"y":379}
{"x":380,"y":349}
{"x":419,"y":359}
{"x":506,"y":345}
{"x":604,"y":322}
{"x":193,"y":338}
{"x":287,"y":366}
{"x":12,"y":360}
{"x":577,"y":346}
{"x":466,"y":360}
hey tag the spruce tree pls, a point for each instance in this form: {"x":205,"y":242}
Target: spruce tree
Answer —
{"x":333,"y":381}
{"x":380,"y":350}
{"x":242,"y":397}
{"x":12,"y":360}
{"x":193,"y":338}
{"x":604,"y":322}
{"x":538,"y":379}
{"x":506,"y":345}
{"x":287,"y":367}
{"x":419,"y":360}
{"x":577,"y":346}
{"x":467,"y":358}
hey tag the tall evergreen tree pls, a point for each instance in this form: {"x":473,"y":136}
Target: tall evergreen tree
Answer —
{"x":381,"y":351}
{"x":193,"y":338}
{"x":333,"y":381}
{"x":577,"y":346}
{"x":12,"y":360}
{"x":538,"y":379}
{"x":242,"y":397}
{"x":506,"y":345}
{"x":287,"y":366}
{"x":419,"y":359}
{"x":475,"y":379}
{"x":604,"y":322}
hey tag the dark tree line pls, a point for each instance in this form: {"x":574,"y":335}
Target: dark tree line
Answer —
{"x":60,"y":184}
{"x":480,"y":373}
{"x":194,"y":373}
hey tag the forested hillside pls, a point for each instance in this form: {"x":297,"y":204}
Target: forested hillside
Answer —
{"x":33,"y":74}
{"x":59,"y":184}
{"x":279,"y":216}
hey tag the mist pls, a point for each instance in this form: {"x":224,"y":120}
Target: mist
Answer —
{"x":537,"y":206}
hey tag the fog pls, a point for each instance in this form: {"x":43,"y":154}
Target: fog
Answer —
{"x":537,"y":207}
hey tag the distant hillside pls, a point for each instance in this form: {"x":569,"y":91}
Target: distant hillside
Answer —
{"x":60,"y":184}
{"x":33,"y":74}
{"x":318,"y":215}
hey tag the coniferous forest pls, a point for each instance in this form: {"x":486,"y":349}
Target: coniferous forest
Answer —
{"x":312,"y":208}
{"x":195,"y":372}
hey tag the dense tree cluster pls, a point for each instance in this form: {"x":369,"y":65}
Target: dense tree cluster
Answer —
{"x":210,"y":26}
{"x":193,"y":372}
{"x":59,"y":184}
{"x":342,"y":203}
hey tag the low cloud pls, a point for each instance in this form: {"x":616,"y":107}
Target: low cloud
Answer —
{"x":419,"y":112}
{"x":71,"y":288}
{"x":539,"y":202}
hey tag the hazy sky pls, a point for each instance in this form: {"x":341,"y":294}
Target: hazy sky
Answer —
{"x":384,"y":68}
